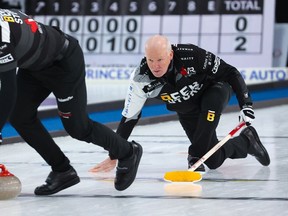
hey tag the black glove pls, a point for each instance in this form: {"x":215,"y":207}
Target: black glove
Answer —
{"x":247,"y":114}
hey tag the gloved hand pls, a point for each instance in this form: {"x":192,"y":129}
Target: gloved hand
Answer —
{"x":0,"y":138}
{"x":247,"y":114}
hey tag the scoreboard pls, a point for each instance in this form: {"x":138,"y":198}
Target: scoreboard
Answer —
{"x":112,"y":33}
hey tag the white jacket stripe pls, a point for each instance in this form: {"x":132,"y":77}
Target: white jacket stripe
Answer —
{"x":5,"y":31}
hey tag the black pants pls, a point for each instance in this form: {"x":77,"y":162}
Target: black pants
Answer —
{"x":66,"y":80}
{"x":201,"y":123}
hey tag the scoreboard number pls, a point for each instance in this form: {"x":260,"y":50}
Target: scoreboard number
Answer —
{"x":114,"y":31}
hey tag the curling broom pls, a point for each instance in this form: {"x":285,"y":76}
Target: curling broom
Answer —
{"x":191,"y":176}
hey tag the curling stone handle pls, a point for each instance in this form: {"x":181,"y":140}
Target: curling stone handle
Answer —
{"x":4,"y":171}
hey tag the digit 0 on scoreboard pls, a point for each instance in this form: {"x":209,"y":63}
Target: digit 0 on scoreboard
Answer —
{"x":242,"y":31}
{"x":239,"y":31}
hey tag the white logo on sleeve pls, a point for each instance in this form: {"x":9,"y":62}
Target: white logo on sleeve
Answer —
{"x":61,"y":100}
{"x":7,"y":58}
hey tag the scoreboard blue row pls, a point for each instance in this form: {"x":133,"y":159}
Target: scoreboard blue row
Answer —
{"x":142,"y":7}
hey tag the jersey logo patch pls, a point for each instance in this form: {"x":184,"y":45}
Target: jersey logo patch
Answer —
{"x":10,"y":16}
{"x":183,"y":71}
{"x":33,"y":24}
{"x":7,"y":58}
{"x":211,"y":115}
{"x":183,"y":94}
{"x":153,"y":85}
{"x":189,"y":72}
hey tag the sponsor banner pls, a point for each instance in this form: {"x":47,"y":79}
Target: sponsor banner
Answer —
{"x":254,"y":76}
{"x":121,"y":75}
{"x":108,"y":75}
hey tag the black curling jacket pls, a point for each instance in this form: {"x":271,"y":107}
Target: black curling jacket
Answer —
{"x":191,"y":71}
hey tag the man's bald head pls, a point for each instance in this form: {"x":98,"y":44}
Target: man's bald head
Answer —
{"x":159,"y":54}
{"x":158,"y":42}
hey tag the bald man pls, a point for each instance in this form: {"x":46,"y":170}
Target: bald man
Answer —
{"x":197,"y":85}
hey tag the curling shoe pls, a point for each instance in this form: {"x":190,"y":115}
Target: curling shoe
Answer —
{"x":193,"y":160}
{"x":256,"y":148}
{"x":127,"y":168}
{"x":57,"y":181}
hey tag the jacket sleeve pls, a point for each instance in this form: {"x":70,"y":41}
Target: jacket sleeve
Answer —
{"x":7,"y":94}
{"x":134,"y":102}
{"x":239,"y":86}
{"x":126,"y":126}
{"x":219,"y":70}
{"x":231,"y":75}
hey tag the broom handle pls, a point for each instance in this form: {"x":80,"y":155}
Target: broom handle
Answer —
{"x":216,"y":147}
